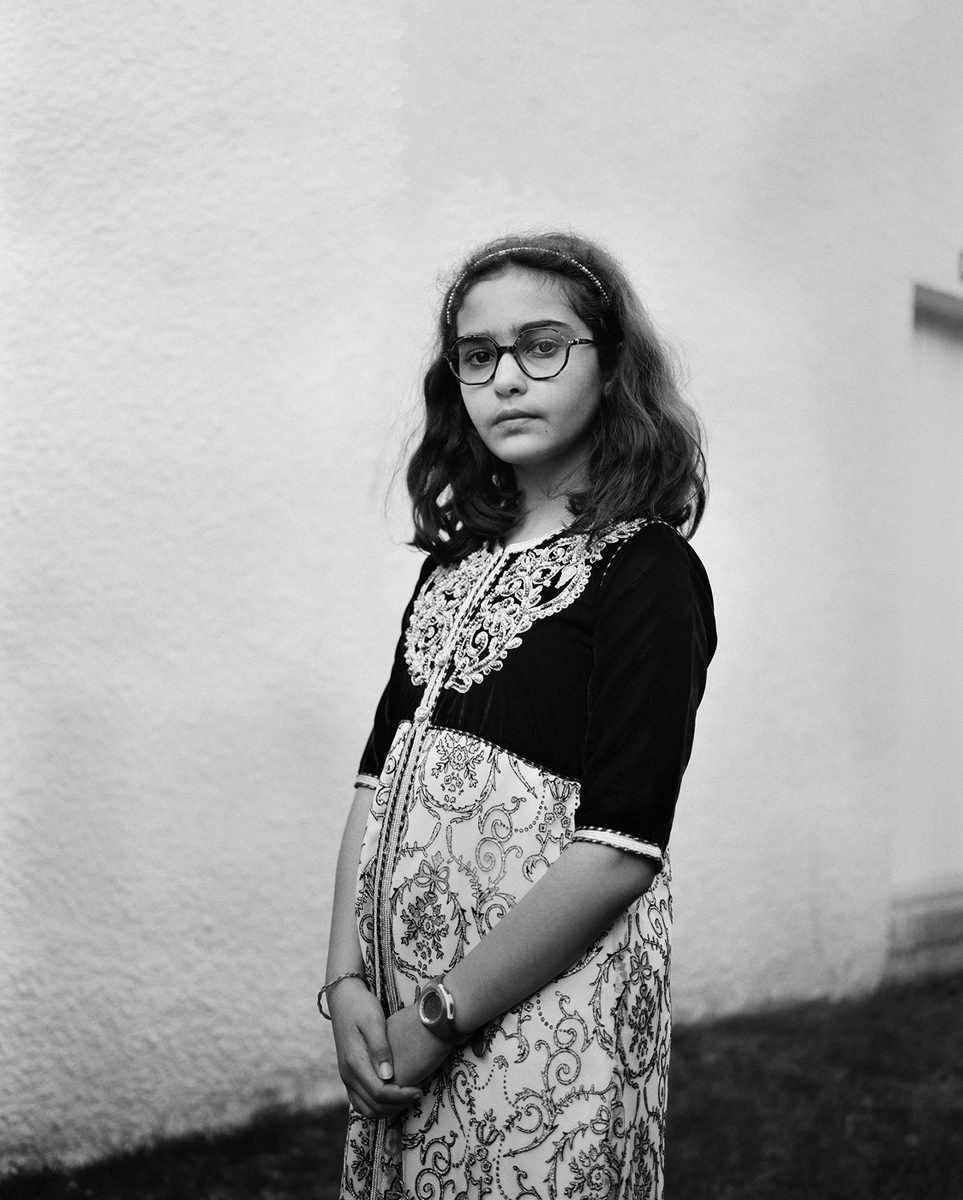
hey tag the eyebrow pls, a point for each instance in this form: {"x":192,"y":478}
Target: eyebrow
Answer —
{"x":550,"y":322}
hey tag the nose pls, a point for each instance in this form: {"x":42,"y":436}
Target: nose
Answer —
{"x":509,"y":378}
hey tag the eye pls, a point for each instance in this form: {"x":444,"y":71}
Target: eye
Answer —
{"x":545,"y":347}
{"x":476,"y":354}
{"x":543,"y":343}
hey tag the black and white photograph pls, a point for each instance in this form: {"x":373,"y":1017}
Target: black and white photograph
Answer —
{"x":481,"y":600}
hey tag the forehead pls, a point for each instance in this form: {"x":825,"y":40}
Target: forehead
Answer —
{"x":516,"y":295}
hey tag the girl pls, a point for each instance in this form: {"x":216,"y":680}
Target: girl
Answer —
{"x":498,"y":966}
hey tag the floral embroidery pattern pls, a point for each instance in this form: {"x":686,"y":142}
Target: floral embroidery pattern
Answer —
{"x":595,"y":1173}
{"x":432,"y":920}
{"x":435,"y":609}
{"x":535,"y":583}
{"x":456,"y":763}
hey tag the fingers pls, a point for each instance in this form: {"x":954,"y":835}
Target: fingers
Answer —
{"x":388,"y":1103}
{"x":381,"y":1099}
{"x":374,"y":1030}
{"x":363,"y":1049}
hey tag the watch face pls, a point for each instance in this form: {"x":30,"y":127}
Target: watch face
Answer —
{"x":431,"y":1006}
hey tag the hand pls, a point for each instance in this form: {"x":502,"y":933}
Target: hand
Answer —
{"x":365,"y":1058}
{"x":416,"y":1052}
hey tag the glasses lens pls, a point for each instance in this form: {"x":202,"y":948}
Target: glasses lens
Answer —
{"x":473,"y":359}
{"x":542,"y":352}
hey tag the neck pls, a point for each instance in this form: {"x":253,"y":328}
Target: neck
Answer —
{"x":544,"y":504}
{"x":539,"y":522}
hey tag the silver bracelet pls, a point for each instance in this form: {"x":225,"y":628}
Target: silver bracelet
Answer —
{"x":328,"y":986}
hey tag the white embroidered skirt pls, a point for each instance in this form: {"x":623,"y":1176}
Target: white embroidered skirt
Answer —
{"x":566,"y":1100}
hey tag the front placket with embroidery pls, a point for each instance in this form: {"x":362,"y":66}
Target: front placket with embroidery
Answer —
{"x":384,"y":979}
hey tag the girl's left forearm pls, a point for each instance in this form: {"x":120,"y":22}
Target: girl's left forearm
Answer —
{"x":576,"y":899}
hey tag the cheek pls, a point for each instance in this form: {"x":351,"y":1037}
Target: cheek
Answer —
{"x":472,"y":409}
{"x":583,"y":407}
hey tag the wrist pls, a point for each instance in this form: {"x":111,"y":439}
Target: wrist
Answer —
{"x":347,"y":981}
{"x":437,"y":1014}
{"x":347,"y":992}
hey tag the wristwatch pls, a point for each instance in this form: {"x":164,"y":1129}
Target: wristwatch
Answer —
{"x":436,"y":1009}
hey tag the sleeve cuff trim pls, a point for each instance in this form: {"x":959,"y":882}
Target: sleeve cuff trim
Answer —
{"x":367,"y":781}
{"x":619,"y":841}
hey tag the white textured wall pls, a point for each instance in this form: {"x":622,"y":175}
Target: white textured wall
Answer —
{"x":223,"y":226}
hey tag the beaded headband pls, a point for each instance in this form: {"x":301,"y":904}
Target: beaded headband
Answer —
{"x":514,"y":250}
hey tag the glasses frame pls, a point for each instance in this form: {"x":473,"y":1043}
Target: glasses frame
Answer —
{"x":513,"y":350}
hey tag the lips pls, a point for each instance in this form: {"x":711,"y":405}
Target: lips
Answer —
{"x":512,"y":414}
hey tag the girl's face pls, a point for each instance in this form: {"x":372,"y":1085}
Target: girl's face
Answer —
{"x":541,"y":427}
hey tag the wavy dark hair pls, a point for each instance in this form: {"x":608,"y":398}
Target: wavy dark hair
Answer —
{"x":646,"y":457}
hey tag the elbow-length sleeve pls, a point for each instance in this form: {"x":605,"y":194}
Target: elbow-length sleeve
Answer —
{"x":654,"y":636}
{"x":398,"y":700}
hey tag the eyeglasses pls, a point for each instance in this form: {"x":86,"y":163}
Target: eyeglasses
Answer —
{"x":542,"y":353}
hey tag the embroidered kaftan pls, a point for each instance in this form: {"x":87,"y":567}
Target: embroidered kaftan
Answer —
{"x":541,"y":693}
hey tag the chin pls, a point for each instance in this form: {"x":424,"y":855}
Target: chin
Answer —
{"x":519,"y":458}
{"x":512,"y":451}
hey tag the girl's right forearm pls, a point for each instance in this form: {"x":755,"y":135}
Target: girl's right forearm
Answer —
{"x":344,"y":949}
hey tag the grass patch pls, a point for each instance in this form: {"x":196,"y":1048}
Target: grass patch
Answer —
{"x":853,"y":1101}
{"x":830,"y":1101}
{"x":277,"y":1157}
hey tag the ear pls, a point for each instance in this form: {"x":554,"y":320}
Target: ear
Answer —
{"x":610,"y":373}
